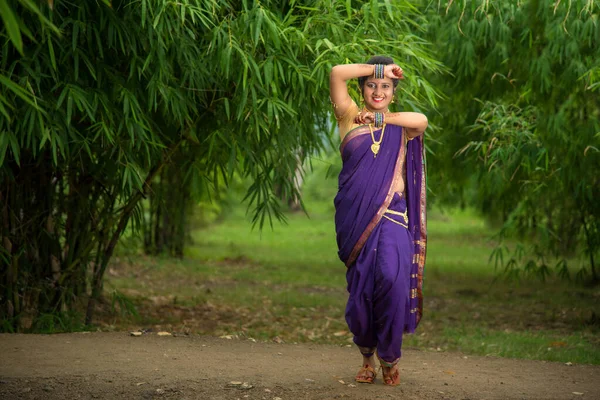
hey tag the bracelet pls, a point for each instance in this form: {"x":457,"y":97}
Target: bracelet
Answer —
{"x":379,"y":71}
{"x":379,"y":118}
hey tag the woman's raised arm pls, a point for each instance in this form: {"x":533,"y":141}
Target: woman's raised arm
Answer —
{"x":338,"y":88}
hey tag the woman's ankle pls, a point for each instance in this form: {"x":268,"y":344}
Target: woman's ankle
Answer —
{"x":368,"y":360}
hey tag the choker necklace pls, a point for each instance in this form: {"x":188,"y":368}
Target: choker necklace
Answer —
{"x":376,"y":143}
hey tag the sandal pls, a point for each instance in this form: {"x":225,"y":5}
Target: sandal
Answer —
{"x":392,"y":377}
{"x":366,"y":374}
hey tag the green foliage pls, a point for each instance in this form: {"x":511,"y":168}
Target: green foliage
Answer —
{"x":522,"y":124}
{"x":122,"y":304}
{"x":58,"y":322}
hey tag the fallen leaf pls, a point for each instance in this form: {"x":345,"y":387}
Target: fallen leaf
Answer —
{"x":140,"y":383}
{"x":569,"y":363}
{"x":235,"y":383}
{"x":164,"y":334}
{"x":578,"y":393}
{"x":135,"y":333}
{"x":351,"y":385}
{"x":449,"y":372}
{"x":342,"y":382}
{"x":226,"y":337}
{"x":340,"y":333}
{"x":558,"y":344}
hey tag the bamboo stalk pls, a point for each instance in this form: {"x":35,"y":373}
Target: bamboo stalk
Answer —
{"x":124,"y":219}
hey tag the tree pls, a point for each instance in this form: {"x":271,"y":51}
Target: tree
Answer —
{"x":522,"y":123}
{"x":104,"y":102}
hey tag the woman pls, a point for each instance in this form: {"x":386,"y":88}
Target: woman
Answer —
{"x":380,"y":213}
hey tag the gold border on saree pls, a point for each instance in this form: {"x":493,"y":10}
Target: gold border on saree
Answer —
{"x":352,"y":133}
{"x":402,"y":214}
{"x":394,"y":221}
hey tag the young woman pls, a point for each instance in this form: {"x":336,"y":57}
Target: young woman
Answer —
{"x":380,"y":213}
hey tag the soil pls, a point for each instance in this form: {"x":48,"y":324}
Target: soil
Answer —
{"x":119,"y":366}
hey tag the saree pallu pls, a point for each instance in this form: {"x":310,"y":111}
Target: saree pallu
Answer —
{"x":385,"y":260}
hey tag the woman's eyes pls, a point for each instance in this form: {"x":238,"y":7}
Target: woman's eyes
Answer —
{"x":373,"y":86}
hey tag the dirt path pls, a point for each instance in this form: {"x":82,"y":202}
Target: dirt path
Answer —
{"x":118,"y":366}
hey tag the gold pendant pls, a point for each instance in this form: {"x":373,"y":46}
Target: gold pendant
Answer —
{"x":375,"y":149}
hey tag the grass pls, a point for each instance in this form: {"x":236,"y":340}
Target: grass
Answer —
{"x":288,"y":283}
{"x":540,"y":345}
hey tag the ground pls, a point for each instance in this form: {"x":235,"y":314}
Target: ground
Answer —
{"x":119,"y":366}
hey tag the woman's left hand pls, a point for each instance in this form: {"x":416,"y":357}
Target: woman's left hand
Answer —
{"x":393,"y":71}
{"x":364,"y":118}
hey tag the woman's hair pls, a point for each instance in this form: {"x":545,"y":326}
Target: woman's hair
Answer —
{"x":377,"y":60}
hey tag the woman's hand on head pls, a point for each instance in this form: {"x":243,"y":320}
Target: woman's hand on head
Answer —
{"x":363,"y":118}
{"x":393,"y":71}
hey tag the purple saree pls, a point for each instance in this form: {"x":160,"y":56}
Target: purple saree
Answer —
{"x":384,"y":255}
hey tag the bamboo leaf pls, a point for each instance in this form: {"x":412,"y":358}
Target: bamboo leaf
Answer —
{"x":11,"y":23}
{"x":15,"y":148}
{"x":4,"y":142}
{"x":52,"y":55}
{"x":35,"y":9}
{"x":4,"y":111}
{"x":227,"y":110}
{"x":19,"y":91}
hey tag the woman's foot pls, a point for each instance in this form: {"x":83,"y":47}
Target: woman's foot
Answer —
{"x":367,"y":373}
{"x":391,"y":374}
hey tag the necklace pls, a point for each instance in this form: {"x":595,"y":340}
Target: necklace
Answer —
{"x":376,"y":143}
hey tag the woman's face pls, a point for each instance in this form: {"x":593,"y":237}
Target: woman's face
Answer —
{"x":378,"y":93}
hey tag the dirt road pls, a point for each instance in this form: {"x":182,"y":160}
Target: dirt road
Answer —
{"x":119,"y":366}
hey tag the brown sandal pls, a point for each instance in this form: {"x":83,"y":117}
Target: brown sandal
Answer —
{"x":366,"y":374}
{"x":392,"y":378}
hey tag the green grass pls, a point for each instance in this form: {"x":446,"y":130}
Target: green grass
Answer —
{"x":288,"y":282}
{"x":540,"y":345}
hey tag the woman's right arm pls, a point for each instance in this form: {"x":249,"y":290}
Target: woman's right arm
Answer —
{"x":338,"y":89}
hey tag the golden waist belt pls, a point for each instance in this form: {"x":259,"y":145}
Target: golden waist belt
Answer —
{"x":404,"y":215}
